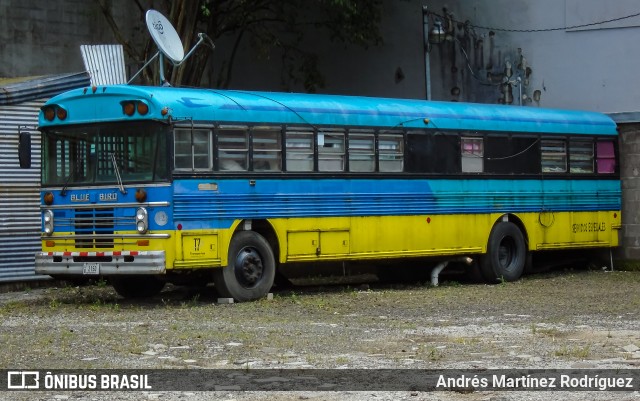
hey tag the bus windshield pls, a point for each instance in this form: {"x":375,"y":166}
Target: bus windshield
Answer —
{"x":97,"y":153}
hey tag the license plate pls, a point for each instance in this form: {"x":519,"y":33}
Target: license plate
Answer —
{"x":91,"y":268}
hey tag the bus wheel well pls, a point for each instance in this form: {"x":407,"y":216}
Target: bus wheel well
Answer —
{"x":528,"y":267}
{"x":264,"y":228}
{"x":512,"y":218}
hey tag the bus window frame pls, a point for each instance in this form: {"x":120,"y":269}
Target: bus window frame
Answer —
{"x":472,"y":158}
{"x":382,"y":153}
{"x":614,"y":157}
{"x":361,"y":133}
{"x":278,"y":150}
{"x":575,"y":158}
{"x":311,"y":134}
{"x":210,"y":157}
{"x":559,"y":139}
{"x":315,"y":156}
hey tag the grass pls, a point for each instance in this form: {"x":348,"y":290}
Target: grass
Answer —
{"x":574,"y":352}
{"x":545,"y":331}
{"x":322,"y":324}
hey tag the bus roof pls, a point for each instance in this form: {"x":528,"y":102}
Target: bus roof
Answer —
{"x":252,"y":107}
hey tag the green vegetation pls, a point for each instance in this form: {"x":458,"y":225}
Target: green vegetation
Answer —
{"x":556,"y":316}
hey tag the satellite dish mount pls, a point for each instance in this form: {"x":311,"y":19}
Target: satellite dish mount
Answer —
{"x":169,"y":44}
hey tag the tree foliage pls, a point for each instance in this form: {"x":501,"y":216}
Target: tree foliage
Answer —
{"x":273,"y":29}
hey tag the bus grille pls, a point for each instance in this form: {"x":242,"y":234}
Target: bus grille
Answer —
{"x":94,"y":222}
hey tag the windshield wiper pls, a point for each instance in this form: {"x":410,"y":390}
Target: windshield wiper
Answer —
{"x":117,"y":170}
{"x":63,"y":192}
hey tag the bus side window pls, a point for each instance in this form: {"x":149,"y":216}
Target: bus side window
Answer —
{"x":299,"y":150}
{"x":606,"y":157}
{"x":432,"y":152}
{"x":511,"y":155}
{"x":192,"y":149}
{"x":391,"y":152}
{"x":472,"y":153}
{"x":553,"y":155}
{"x":362,"y":149}
{"x":331,"y":150}
{"x":233,"y":149}
{"x":267,"y":149}
{"x":580,"y":156}
{"x":182,"y":149}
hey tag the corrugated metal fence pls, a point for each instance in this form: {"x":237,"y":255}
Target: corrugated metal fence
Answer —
{"x":20,"y":102}
{"x":19,"y":194}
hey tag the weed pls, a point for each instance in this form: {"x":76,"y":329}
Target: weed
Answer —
{"x":434,"y":354}
{"x":465,"y":340}
{"x":544,"y":331}
{"x":54,"y":303}
{"x":294,"y":298}
{"x":574,"y":352}
{"x":13,"y":307}
{"x":342,"y":360}
{"x":193,"y":302}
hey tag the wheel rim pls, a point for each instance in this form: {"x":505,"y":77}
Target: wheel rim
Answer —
{"x":506,"y":252}
{"x":248,"y":267}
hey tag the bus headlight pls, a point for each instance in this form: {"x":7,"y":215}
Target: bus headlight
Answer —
{"x":48,"y":222}
{"x":142,"y":220}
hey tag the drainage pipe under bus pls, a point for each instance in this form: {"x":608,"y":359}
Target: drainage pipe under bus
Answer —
{"x":435,"y":273}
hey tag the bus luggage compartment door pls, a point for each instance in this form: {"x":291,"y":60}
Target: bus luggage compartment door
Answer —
{"x":318,"y":244}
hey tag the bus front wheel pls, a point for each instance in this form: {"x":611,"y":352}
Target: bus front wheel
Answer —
{"x":251,"y":270}
{"x":506,"y":254}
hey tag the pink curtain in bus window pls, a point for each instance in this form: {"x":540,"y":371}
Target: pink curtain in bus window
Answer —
{"x":468,"y":147}
{"x":606,"y":157}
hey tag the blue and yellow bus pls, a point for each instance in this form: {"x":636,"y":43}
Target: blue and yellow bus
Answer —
{"x":148,"y":185}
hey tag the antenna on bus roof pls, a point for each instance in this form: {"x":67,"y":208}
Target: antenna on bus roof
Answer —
{"x":169,"y":44}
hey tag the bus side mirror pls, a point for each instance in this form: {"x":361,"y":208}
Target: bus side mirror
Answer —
{"x":24,"y":150}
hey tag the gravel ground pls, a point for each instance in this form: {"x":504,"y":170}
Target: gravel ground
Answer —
{"x":558,"y":320}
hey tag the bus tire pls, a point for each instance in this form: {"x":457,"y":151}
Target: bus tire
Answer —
{"x":506,"y":254}
{"x":251,"y":269}
{"x":137,"y":286}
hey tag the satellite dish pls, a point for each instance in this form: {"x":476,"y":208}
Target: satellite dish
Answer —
{"x":165,"y":36}
{"x":168,"y":42}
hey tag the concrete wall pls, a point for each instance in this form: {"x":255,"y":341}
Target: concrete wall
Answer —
{"x":43,"y":38}
{"x":349,"y":70}
{"x":630,"y":157}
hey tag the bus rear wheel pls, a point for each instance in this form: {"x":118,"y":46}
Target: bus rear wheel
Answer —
{"x":137,"y":286}
{"x":251,"y":270}
{"x":506,"y":254}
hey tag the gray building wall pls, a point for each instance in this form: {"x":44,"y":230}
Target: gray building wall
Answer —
{"x":44,"y":37}
{"x":590,"y":68}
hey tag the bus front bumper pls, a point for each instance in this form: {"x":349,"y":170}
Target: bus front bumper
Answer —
{"x":100,"y":263}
